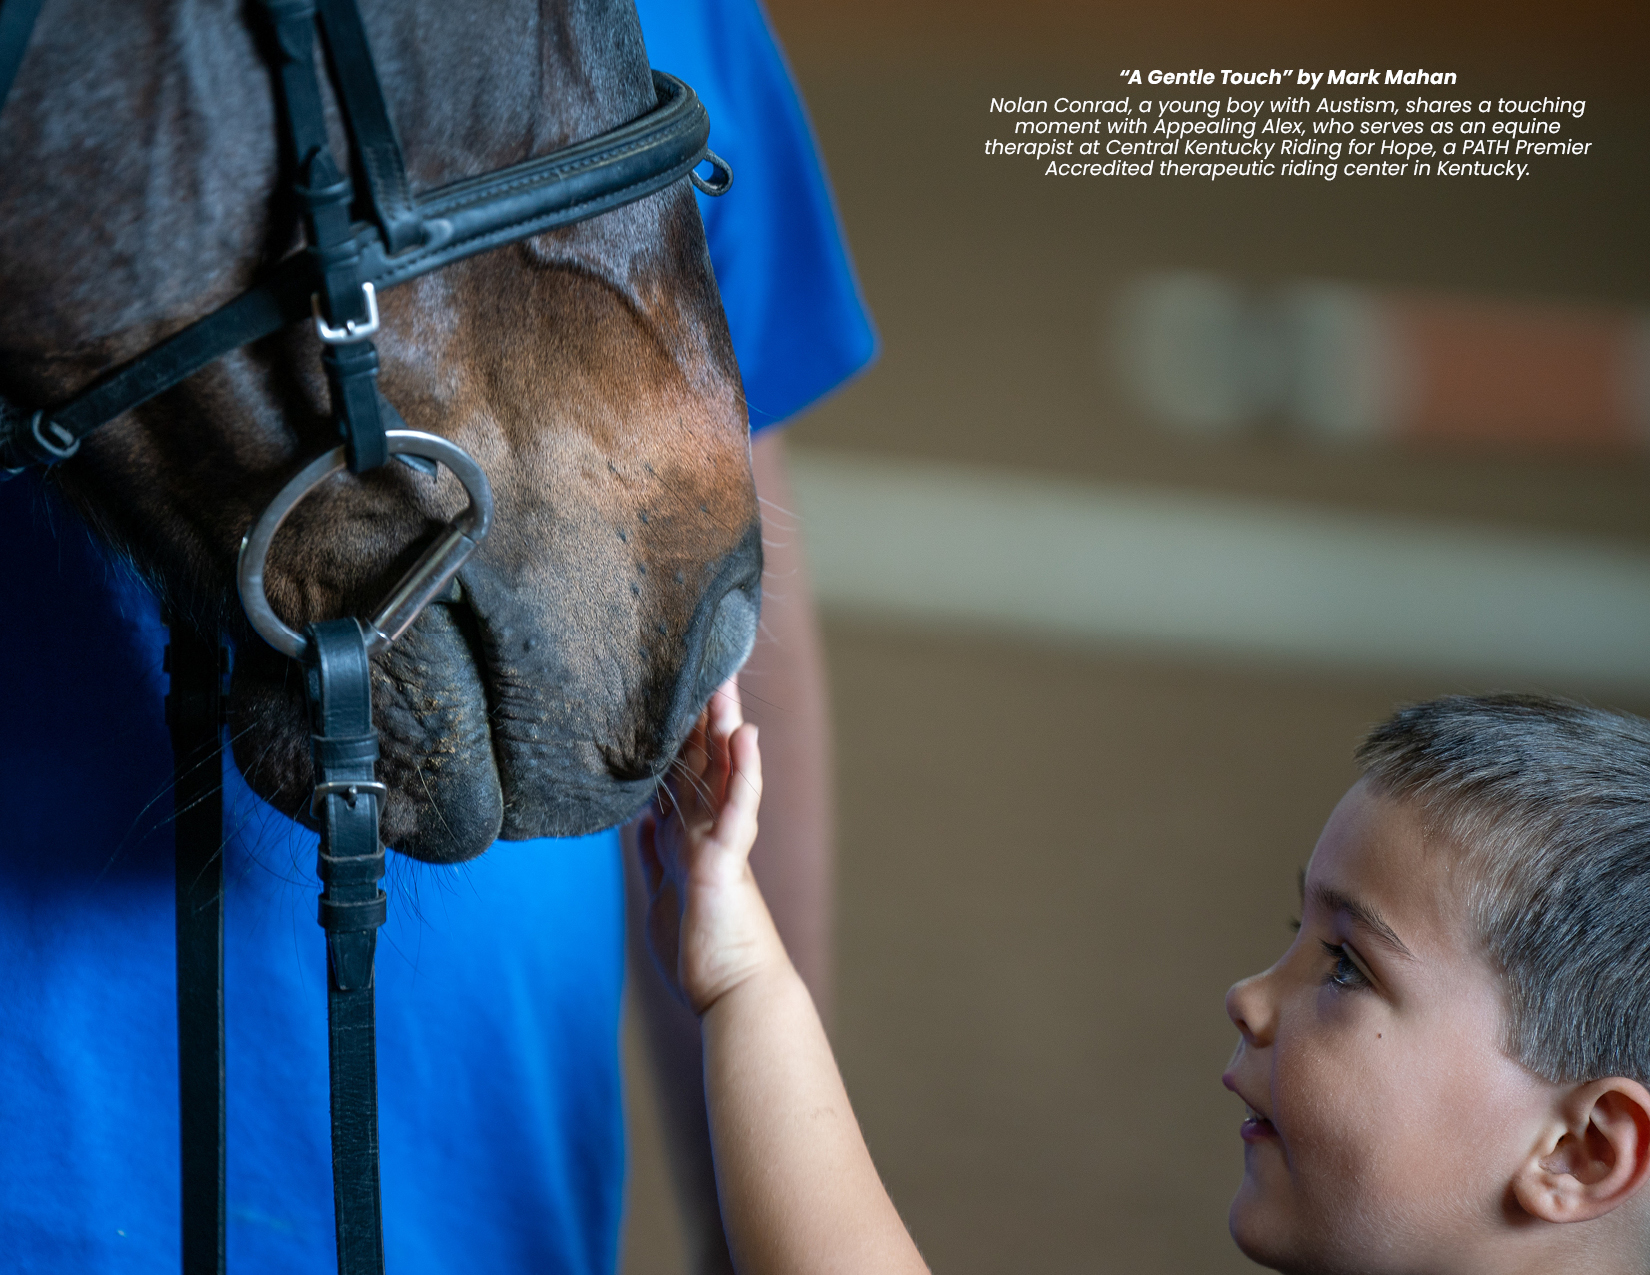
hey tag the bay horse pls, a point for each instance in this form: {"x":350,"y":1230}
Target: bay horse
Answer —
{"x":588,"y":369}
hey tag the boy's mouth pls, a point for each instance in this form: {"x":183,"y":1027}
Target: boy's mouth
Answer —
{"x":1256,"y":1127}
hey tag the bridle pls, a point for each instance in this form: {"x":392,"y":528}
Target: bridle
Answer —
{"x":334,"y":281}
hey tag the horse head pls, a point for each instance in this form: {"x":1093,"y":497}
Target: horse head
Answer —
{"x":587,"y":369}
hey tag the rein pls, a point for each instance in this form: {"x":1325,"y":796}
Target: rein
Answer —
{"x":333,"y":281}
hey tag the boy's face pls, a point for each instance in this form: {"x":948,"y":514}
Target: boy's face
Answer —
{"x":1385,"y":1123}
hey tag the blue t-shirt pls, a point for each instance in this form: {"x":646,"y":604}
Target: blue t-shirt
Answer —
{"x":498,"y":981}
{"x":794,"y":308}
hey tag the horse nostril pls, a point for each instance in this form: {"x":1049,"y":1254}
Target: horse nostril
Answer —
{"x":714,"y":642}
{"x":718,"y":642}
{"x":728,"y":645}
{"x":722,"y":632}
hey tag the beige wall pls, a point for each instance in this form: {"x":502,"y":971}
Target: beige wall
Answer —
{"x":1055,"y":856}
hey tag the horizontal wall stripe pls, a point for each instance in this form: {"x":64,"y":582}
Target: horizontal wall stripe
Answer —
{"x":949,"y":546}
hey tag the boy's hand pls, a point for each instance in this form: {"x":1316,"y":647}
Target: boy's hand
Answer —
{"x":706,"y":922}
{"x":796,"y":1186}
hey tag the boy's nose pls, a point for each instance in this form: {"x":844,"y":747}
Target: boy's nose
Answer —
{"x":1251,"y":1009}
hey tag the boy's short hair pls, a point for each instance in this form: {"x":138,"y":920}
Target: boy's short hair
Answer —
{"x":1549,"y":803}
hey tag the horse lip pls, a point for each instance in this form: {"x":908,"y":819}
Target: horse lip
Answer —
{"x":557,"y":775}
{"x":469,"y":623}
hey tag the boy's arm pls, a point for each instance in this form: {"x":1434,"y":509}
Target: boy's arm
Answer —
{"x":784,"y":680}
{"x":798,"y":1191}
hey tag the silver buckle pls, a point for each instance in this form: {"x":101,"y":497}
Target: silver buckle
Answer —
{"x":349,"y":789}
{"x":351,"y":331}
{"x":67,"y":444}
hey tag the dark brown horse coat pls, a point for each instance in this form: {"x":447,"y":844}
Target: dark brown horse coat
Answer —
{"x":588,"y":370}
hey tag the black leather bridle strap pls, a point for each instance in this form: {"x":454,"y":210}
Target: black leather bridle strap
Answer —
{"x":194,"y":711}
{"x":321,"y":186}
{"x":264,"y":310}
{"x":352,"y":907}
{"x":16,"y":25}
{"x":348,"y":307}
{"x":372,"y":135}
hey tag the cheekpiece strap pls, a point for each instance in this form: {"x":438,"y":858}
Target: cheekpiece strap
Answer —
{"x":372,"y":136}
{"x":346,"y":308}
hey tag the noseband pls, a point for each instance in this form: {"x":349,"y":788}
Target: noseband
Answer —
{"x":334,"y":282}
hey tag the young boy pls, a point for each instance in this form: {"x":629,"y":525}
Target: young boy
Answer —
{"x":1446,"y":1072}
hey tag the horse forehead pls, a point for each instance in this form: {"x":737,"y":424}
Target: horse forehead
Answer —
{"x":496,"y":82}
{"x":140,"y":148}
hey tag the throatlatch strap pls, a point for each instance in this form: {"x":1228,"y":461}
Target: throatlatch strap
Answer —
{"x":352,"y":907}
{"x":194,"y":711}
{"x":252,"y":315}
{"x":352,"y":379}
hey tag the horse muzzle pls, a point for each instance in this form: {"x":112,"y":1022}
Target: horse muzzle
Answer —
{"x":522,"y":705}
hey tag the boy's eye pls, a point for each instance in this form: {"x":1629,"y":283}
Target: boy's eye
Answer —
{"x":1345,"y":972}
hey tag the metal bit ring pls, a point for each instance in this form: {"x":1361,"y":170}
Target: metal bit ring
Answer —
{"x":427,"y":579}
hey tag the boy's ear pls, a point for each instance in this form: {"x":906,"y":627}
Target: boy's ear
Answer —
{"x":1592,"y":1157}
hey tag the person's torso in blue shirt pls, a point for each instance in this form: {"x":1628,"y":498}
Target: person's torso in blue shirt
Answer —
{"x":498,"y":981}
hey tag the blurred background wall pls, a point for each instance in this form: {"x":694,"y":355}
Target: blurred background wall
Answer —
{"x":1110,"y":595}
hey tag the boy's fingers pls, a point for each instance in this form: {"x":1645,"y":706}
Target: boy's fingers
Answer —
{"x":725,"y":709}
{"x":696,"y":752}
{"x":723,"y":717}
{"x":716,"y":774}
{"x":744,"y":794}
